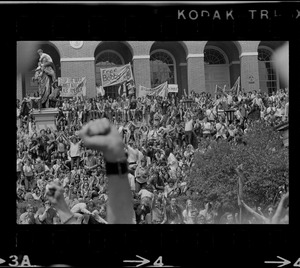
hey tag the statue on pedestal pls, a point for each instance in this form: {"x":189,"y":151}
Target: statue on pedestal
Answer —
{"x":46,"y":78}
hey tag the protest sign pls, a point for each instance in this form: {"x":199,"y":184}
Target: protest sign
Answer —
{"x":173,"y":88}
{"x":72,"y":87}
{"x":116,"y":75}
{"x":161,"y":90}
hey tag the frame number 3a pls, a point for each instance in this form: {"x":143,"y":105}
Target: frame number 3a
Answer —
{"x":14,"y":261}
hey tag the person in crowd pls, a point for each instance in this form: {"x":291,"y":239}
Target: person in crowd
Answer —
{"x":28,"y":216}
{"x":46,"y":214}
{"x":173,"y":213}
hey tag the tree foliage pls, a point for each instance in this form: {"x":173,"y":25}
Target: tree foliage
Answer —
{"x":265,"y":163}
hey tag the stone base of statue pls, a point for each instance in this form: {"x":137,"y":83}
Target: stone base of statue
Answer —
{"x":45,"y":118}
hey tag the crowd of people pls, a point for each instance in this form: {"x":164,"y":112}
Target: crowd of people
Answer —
{"x":161,"y":136}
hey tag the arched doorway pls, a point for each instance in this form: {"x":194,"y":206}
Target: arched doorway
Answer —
{"x":216,"y":69}
{"x":30,"y":87}
{"x":168,"y":63}
{"x":268,"y":78}
{"x":162,"y":67}
{"x":109,"y":54}
{"x":221,"y":64}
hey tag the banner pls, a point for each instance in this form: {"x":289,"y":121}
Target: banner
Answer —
{"x":173,"y":88}
{"x":116,"y":75}
{"x":72,"y":87}
{"x":161,"y":90}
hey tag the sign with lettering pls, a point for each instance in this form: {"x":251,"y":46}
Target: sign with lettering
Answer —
{"x":173,"y":88}
{"x":116,"y":75}
{"x":72,"y":87}
{"x":161,"y":90}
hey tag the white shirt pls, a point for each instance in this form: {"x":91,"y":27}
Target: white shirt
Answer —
{"x":287,"y":109}
{"x":172,"y":161}
{"x":140,"y":156}
{"x":74,"y":149}
{"x":207,"y":127}
{"x":131,"y":180}
{"x":56,"y":167}
{"x":220,"y":129}
{"x":145,"y":193}
{"x":210,"y":114}
{"x":229,"y":99}
{"x":19,"y":165}
{"x":153,"y":134}
{"x":133,"y":155}
{"x":189,"y":125}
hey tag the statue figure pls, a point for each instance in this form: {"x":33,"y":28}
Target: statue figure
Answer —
{"x":46,"y":78}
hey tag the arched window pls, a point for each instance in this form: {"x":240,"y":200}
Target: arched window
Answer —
{"x":267,"y":74}
{"x":214,"y":56}
{"x":107,"y":59}
{"x":162,"y":66}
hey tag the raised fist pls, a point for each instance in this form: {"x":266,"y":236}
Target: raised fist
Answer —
{"x":101,"y":135}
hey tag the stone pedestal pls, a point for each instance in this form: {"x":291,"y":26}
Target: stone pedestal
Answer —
{"x":45,"y":118}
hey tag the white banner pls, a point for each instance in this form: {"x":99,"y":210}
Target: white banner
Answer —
{"x":173,"y":88}
{"x":161,"y":90}
{"x":72,"y":87}
{"x":116,"y":75}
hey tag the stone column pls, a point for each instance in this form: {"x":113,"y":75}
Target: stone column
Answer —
{"x":196,"y":76}
{"x":19,"y":87}
{"x":249,"y":71}
{"x":141,"y":72}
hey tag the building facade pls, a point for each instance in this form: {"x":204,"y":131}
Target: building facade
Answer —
{"x":193,"y":65}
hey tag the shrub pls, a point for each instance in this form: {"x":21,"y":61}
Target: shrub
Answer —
{"x":265,"y":163}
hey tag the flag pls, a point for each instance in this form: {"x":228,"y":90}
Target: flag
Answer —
{"x":239,"y":200}
{"x":184,"y":91}
{"x":219,"y":90}
{"x":100,"y":91}
{"x":224,"y":89}
{"x":240,"y":194}
{"x":124,"y":90}
{"x":236,"y":89}
{"x":119,"y":89}
{"x":80,"y":89}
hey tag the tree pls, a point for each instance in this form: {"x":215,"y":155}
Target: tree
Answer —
{"x":265,"y":162}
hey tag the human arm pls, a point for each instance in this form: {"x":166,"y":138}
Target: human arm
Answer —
{"x":283,"y":204}
{"x":54,"y":192}
{"x":254,"y":213}
{"x":165,"y":213}
{"x":236,"y":216}
{"x":43,"y":216}
{"x":103,"y":136}
{"x":84,"y":210}
{"x":260,"y":212}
